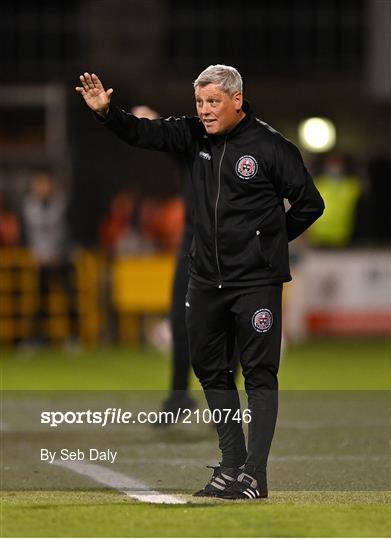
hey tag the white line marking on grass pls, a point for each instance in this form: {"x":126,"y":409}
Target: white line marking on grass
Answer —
{"x":120,"y":482}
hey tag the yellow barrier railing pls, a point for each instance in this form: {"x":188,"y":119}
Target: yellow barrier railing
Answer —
{"x":140,"y":286}
{"x":135,"y":287}
{"x":19,"y":299}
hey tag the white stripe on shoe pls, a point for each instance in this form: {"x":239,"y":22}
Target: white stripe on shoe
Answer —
{"x":252,"y":493}
{"x":218,"y":479}
{"x":227,"y":477}
{"x":217,"y":486}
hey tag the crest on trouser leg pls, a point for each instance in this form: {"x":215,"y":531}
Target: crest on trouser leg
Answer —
{"x":262,"y":320}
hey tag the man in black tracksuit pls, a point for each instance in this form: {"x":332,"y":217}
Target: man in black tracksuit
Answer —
{"x":241,"y":171}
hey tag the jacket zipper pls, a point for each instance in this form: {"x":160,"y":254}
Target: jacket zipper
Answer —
{"x":217,"y":202}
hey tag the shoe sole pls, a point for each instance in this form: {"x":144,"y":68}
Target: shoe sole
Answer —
{"x":199,"y":494}
{"x":241,"y":496}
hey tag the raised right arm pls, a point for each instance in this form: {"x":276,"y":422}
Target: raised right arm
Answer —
{"x":167,"y":135}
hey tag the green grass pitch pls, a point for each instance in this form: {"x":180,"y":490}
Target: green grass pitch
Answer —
{"x":329,"y":471}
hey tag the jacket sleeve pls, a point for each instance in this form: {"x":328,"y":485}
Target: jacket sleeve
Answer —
{"x":165,"y":135}
{"x":293,"y":182}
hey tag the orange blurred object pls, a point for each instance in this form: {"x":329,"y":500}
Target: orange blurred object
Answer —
{"x":9,"y":229}
{"x":117,"y":221}
{"x":169,"y":222}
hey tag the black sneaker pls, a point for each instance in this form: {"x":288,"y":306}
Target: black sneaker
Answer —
{"x":245,"y":487}
{"x":222,"y":478}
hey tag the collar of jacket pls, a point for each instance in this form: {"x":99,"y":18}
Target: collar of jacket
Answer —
{"x":241,"y":126}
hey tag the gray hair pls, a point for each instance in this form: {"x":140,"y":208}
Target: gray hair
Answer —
{"x":227,"y":77}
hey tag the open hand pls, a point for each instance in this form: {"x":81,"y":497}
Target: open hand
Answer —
{"x":97,"y":98}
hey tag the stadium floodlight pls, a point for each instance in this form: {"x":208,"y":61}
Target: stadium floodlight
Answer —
{"x":317,"y":134}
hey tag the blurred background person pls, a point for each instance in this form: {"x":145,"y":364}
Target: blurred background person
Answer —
{"x":119,"y":231}
{"x":47,"y":236}
{"x":341,"y":191}
{"x":169,"y":224}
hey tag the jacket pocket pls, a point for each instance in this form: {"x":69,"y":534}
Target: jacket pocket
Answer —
{"x":263,"y":260}
{"x":241,"y":254}
{"x":192,"y":248}
{"x":190,"y":256}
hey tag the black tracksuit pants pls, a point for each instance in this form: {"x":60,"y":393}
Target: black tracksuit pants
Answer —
{"x":180,"y":355}
{"x":253,"y":316}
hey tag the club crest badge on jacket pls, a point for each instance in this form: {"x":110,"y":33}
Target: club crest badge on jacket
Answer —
{"x":246,"y":167}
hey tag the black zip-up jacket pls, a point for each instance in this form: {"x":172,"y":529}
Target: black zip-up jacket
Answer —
{"x":241,"y":230}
